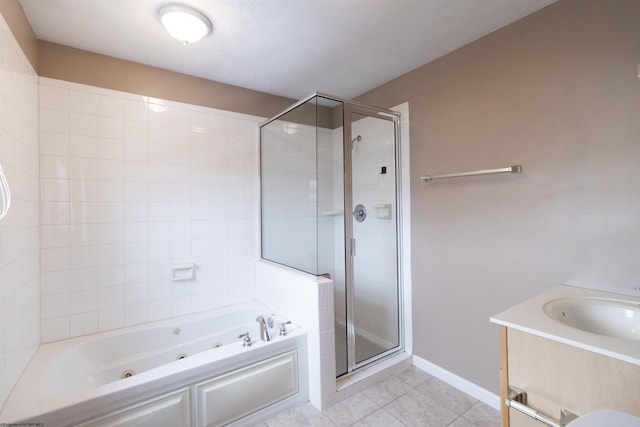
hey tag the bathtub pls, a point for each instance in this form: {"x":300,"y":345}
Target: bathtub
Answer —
{"x":188,"y":371}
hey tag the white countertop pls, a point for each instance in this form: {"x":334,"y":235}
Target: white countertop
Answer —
{"x":530,"y":317}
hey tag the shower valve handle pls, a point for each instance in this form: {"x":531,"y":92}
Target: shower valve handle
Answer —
{"x":246,"y":342}
{"x":283,"y":328}
{"x":359,"y":213}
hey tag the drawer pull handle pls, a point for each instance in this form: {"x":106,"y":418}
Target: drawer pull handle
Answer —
{"x":518,"y":400}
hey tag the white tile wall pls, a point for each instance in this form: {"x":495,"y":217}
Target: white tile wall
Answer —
{"x":19,"y":275}
{"x":130,"y":184}
{"x":309,"y":301}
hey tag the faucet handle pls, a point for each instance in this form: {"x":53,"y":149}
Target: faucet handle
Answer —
{"x":246,"y":342}
{"x":283,"y":328}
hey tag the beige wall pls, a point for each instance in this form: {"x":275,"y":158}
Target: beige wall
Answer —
{"x":557,"y":92}
{"x":17,"y":21}
{"x":80,"y":66}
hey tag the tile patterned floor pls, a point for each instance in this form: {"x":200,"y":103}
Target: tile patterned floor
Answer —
{"x":409,"y":398}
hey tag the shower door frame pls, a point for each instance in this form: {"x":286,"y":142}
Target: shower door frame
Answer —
{"x":381,"y":113}
{"x":350,"y":107}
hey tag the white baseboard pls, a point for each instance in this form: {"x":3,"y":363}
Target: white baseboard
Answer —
{"x":473,"y":390}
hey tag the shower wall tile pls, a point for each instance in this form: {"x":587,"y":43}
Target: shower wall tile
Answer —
{"x":19,"y":229}
{"x":309,"y":300}
{"x":131,"y":184}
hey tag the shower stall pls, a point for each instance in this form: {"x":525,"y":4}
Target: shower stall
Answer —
{"x":330,"y":207}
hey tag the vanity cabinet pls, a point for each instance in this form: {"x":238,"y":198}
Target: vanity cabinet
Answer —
{"x":556,"y":376}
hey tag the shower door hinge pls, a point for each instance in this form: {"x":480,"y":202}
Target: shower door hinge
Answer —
{"x":353,"y":246}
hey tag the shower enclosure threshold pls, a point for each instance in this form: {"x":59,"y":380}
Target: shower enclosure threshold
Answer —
{"x":375,"y":371}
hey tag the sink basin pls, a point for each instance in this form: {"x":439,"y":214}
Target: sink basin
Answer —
{"x":602,"y":316}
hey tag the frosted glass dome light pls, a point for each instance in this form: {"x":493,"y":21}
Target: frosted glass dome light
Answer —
{"x":184,"y":23}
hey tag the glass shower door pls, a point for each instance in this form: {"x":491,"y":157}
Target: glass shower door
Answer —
{"x":372,"y":259}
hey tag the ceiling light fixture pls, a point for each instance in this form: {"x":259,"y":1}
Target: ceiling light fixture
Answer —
{"x":184,"y":23}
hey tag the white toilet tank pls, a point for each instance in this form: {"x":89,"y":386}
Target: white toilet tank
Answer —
{"x":606,"y":418}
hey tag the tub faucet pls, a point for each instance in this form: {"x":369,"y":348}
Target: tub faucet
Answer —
{"x":264,"y":330}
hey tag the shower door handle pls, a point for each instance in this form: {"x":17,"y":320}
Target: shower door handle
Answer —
{"x":353,"y":246}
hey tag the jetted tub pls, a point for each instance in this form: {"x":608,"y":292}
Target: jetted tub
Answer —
{"x":188,"y":371}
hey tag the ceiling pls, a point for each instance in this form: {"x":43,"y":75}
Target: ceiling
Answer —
{"x":289,"y":48}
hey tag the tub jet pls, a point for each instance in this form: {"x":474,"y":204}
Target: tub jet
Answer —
{"x":127,"y":374}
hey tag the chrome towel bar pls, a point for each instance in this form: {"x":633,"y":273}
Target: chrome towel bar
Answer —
{"x":518,"y":400}
{"x":511,"y":169}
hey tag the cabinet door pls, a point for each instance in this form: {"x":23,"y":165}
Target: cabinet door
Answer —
{"x":557,"y":375}
{"x":241,"y":392}
{"x":169,"y":410}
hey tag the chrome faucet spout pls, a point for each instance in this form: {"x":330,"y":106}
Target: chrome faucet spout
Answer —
{"x":264,"y":330}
